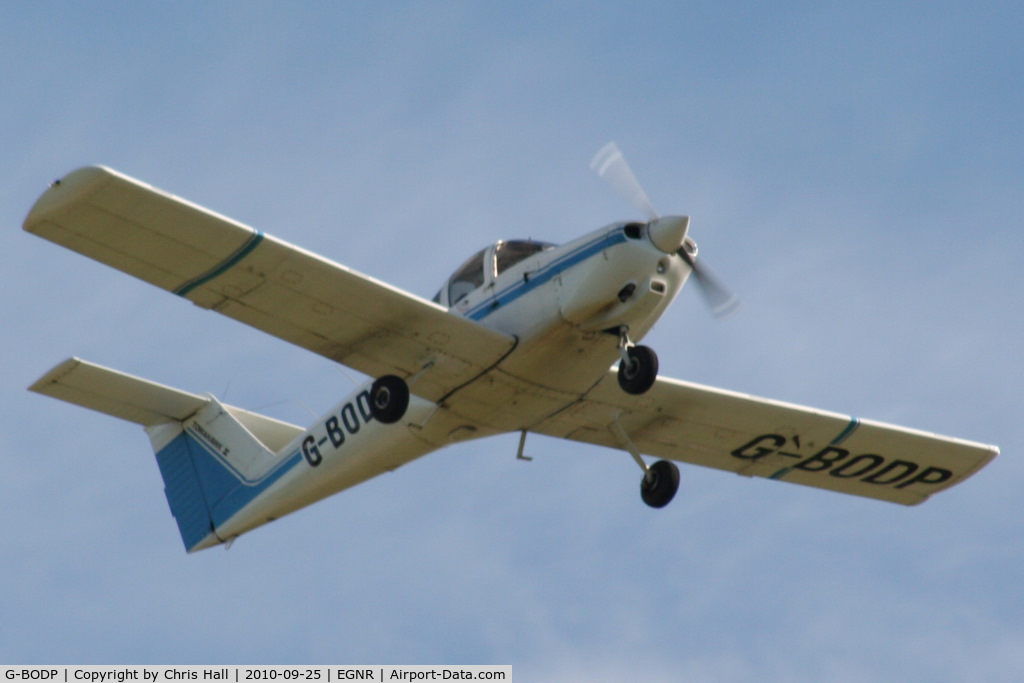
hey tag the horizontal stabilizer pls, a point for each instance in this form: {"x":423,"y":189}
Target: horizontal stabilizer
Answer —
{"x":116,"y":393}
{"x":144,"y":402}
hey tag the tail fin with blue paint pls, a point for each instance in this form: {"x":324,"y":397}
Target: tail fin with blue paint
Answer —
{"x":214,"y":458}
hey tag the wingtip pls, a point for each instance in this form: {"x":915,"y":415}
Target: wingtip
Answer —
{"x":53,"y":375}
{"x":65,"y":190}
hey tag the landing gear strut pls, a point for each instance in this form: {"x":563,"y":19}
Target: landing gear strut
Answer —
{"x":389,"y":399}
{"x":639,"y":365}
{"x":661,"y":480}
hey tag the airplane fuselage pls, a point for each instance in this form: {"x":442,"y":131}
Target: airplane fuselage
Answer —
{"x":564,"y":305}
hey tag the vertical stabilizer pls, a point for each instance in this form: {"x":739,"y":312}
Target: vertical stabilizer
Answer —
{"x":211,"y":466}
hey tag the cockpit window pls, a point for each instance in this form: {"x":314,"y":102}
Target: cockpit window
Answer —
{"x":467,"y":278}
{"x":512,"y":252}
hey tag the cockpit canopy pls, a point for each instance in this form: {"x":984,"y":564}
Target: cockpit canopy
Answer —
{"x":485,"y":265}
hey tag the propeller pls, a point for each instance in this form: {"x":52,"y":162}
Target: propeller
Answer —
{"x":612,"y":167}
{"x":667,"y":232}
{"x":720,"y":299}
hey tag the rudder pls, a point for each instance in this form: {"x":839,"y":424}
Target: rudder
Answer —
{"x":183,"y":489}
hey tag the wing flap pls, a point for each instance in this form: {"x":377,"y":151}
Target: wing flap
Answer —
{"x":264,"y":282}
{"x":758,"y":437}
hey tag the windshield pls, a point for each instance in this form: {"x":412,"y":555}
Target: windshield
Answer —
{"x":484,"y":265}
{"x":467,"y":278}
{"x":507,"y":254}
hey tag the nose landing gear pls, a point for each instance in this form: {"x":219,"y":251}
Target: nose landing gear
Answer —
{"x":638,"y":368}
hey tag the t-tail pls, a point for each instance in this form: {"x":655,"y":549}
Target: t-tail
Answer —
{"x":227,"y":470}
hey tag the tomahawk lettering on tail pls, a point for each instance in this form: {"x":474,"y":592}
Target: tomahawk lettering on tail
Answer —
{"x":519,"y":339}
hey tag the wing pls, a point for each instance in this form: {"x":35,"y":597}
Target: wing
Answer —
{"x":281,"y":289}
{"x":758,"y":437}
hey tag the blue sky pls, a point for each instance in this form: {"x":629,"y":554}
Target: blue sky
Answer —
{"x":853,"y":170}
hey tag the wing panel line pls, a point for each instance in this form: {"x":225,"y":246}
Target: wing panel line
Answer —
{"x":472,"y":379}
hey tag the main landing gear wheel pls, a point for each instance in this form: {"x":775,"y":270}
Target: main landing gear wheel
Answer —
{"x":389,"y":399}
{"x":660,"y":484}
{"x":638,"y":375}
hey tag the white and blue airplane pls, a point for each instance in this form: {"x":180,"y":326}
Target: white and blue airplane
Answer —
{"x":524,"y":337}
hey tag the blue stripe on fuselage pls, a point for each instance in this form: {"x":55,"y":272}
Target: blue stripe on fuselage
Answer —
{"x":546,"y":274}
{"x":241,"y":496}
{"x":232,"y":498}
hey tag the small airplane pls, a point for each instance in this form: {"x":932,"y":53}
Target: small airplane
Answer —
{"x":524,"y":337}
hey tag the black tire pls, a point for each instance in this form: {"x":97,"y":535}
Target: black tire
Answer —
{"x":389,"y":399}
{"x":639,"y":374}
{"x":659,"y":486}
